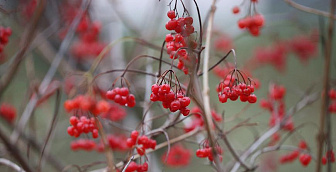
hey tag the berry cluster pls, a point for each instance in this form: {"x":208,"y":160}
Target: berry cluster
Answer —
{"x":86,"y":104}
{"x":223,"y":43}
{"x":82,"y":125}
{"x":292,"y":156}
{"x":135,"y":167}
{"x":175,"y":41}
{"x":182,"y":25}
{"x":303,"y":46}
{"x":115,"y":142}
{"x":169,"y":99}
{"x":88,"y":44}
{"x":198,"y":121}
{"x":8,"y":112}
{"x":4,"y":35}
{"x":233,"y":89}
{"x":177,"y":157}
{"x":83,"y":144}
{"x":253,"y":22}
{"x":332,"y":96}
{"x":142,"y":140}
{"x":329,"y":155}
{"x":206,"y":152}
{"x":276,"y":100}
{"x":114,"y":113}
{"x":121,"y":96}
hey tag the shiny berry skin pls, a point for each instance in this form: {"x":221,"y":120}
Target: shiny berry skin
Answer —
{"x":171,"y":14}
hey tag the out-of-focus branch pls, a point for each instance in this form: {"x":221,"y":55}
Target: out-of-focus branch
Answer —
{"x":50,"y":74}
{"x":11,"y":164}
{"x":310,"y":10}
{"x":25,"y":43}
{"x":322,"y":136}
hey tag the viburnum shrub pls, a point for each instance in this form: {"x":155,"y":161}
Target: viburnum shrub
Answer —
{"x":93,"y":86}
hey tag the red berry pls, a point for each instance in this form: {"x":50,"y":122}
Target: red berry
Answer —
{"x":252,"y":98}
{"x":171,"y":14}
{"x":235,"y":10}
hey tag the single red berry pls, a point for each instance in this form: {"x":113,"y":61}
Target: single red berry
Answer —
{"x":171,"y":14}
{"x":235,"y":10}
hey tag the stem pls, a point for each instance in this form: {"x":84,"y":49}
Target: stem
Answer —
{"x":325,"y":99}
{"x":205,"y":93}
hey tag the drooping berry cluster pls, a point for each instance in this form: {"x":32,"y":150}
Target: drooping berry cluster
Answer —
{"x":4,"y":37}
{"x":8,"y":112}
{"x":233,"y":88}
{"x":177,"y":157}
{"x":121,"y":96}
{"x":87,"y":104}
{"x":183,"y":25}
{"x":169,"y":99}
{"x":88,"y":44}
{"x":176,"y":41}
{"x":133,"y":166}
{"x":292,"y":156}
{"x":114,"y":113}
{"x":253,"y":21}
{"x":144,"y":141}
{"x":332,"y":96}
{"x":117,"y":143}
{"x":303,"y":46}
{"x":82,"y":125}
{"x":206,"y":151}
{"x":197,"y":120}
{"x":83,"y":144}
{"x":276,"y":106}
{"x":330,"y":155}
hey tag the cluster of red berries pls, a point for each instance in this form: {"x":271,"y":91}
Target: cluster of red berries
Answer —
{"x":28,"y":8}
{"x":329,"y":155}
{"x":183,"y":28}
{"x":4,"y":36}
{"x":303,"y":46}
{"x":177,"y":157}
{"x":332,"y":96}
{"x":223,"y":43}
{"x":252,"y":23}
{"x":230,"y":89}
{"x":173,"y":45}
{"x":83,"y":144}
{"x":115,"y":142}
{"x":8,"y":112}
{"x":169,"y":99}
{"x":206,"y":152}
{"x":88,"y":44}
{"x":87,"y":104}
{"x":197,"y":120}
{"x":121,"y":96}
{"x":276,"y":99}
{"x":182,"y":25}
{"x":82,"y":125}
{"x":274,"y":55}
{"x":114,"y":113}
{"x":292,"y":156}
{"x":133,"y":166}
{"x":142,"y":140}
